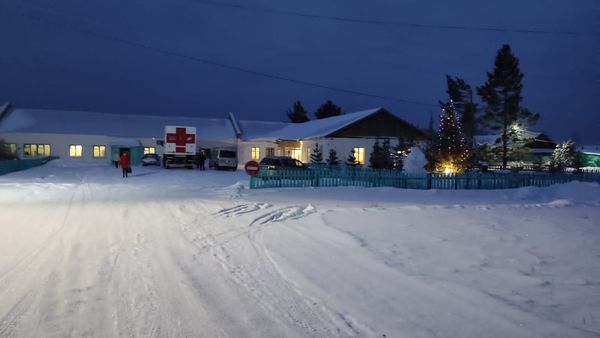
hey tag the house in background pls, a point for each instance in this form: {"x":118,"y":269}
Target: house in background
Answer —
{"x":591,"y":155}
{"x":540,"y":144}
{"x":98,"y":136}
{"x":349,"y":133}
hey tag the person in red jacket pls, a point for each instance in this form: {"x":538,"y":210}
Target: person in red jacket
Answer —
{"x":125,"y":163}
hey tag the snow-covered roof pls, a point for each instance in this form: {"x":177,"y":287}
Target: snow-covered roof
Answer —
{"x":313,"y":128}
{"x":252,"y":130}
{"x":590,"y":149}
{"x":116,"y":125}
{"x":138,"y":126}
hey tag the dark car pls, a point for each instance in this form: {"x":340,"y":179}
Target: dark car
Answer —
{"x":150,"y":159}
{"x":281,"y":162}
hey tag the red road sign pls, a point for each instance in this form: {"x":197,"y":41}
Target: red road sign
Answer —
{"x":252,"y":168}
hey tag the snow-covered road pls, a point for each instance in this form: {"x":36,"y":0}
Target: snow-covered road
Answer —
{"x":181,"y":253}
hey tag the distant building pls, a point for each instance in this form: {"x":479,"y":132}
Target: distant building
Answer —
{"x":591,"y":155}
{"x":98,"y":136}
{"x":540,"y":144}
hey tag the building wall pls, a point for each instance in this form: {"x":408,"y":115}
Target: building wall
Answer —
{"x":342,"y":146}
{"x":59,"y":144}
{"x":245,"y":150}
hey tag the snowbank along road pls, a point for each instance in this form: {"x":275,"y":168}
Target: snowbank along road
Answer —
{"x":84,"y":252}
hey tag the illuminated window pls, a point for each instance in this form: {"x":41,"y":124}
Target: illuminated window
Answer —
{"x":255,"y":153}
{"x":359,"y":155}
{"x":99,"y":151}
{"x":295,"y":153}
{"x":149,"y":150}
{"x":10,"y":148}
{"x":30,"y":149}
{"x":75,"y":150}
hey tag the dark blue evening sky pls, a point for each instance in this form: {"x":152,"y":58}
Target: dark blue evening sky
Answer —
{"x":149,"y":57}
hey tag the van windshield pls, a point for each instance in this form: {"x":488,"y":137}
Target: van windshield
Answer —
{"x":227,"y":153}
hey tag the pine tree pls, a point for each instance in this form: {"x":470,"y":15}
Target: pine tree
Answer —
{"x":317,"y":155}
{"x":328,"y":109}
{"x":333,"y":159}
{"x":351,"y":159}
{"x":376,"y":158}
{"x":449,"y":151}
{"x":297,"y":114}
{"x":401,"y":151}
{"x":502,"y":96}
{"x":563,"y":156}
{"x":460,"y":92}
{"x":387,"y":157}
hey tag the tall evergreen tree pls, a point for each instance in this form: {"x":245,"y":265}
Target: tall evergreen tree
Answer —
{"x":333,"y":159}
{"x":317,"y":155}
{"x":401,"y":151}
{"x":460,"y":92}
{"x":449,"y":151}
{"x":376,"y":157}
{"x":328,"y":109}
{"x":387,"y":157}
{"x":297,"y":114}
{"x":502,"y":96}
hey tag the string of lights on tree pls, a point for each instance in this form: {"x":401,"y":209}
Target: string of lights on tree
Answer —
{"x":452,"y":147}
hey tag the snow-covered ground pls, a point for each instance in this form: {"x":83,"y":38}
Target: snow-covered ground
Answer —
{"x":174,"y":253}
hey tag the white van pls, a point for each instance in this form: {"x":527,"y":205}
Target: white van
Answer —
{"x":223,"y":158}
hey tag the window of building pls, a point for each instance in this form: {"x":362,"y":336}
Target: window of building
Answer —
{"x":32,"y":149}
{"x":270,"y":152}
{"x":75,"y":150}
{"x":149,"y":150}
{"x":99,"y":151}
{"x":10,"y":148}
{"x":295,"y":153}
{"x":255,"y":153}
{"x":359,"y":155}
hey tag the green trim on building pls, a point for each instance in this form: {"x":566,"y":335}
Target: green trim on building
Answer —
{"x":591,"y":160}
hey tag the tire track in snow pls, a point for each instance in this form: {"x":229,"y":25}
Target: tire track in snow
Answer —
{"x":242,"y":209}
{"x":43,"y":262}
{"x":257,"y":275}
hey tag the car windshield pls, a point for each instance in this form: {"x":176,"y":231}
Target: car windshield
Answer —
{"x":288,"y":162}
{"x":268,"y":161}
{"x":227,"y":153}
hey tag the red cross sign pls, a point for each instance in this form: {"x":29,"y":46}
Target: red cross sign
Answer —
{"x":181,"y":138}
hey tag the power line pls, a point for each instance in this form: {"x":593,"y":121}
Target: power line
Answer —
{"x":392,"y":23}
{"x":209,"y":62}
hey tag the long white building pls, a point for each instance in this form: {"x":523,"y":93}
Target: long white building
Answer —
{"x":96,"y":136}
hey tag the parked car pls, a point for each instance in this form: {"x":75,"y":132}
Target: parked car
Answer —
{"x":223,"y":158}
{"x":281,"y":162}
{"x":150,"y":159}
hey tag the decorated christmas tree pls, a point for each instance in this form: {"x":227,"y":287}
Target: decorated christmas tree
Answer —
{"x":450,"y":148}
